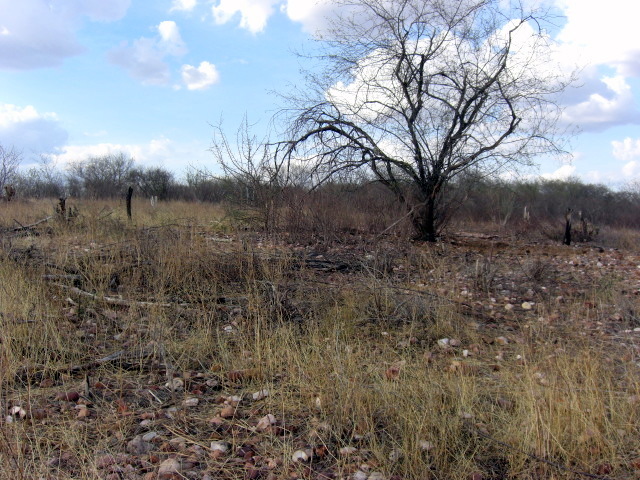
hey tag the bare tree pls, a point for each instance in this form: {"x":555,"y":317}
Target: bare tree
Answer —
{"x":418,"y":91}
{"x":10,"y":160}
{"x":257,"y":171}
{"x":103,"y":176}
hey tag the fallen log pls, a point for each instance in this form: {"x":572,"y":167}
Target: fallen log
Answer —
{"x":29,"y":227}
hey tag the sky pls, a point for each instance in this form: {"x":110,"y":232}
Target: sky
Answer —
{"x":80,"y":78}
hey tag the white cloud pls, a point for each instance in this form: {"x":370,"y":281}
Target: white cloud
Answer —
{"x":161,"y":151}
{"x":562,"y":173}
{"x":603,"y":110}
{"x":39,"y":33}
{"x":201,"y":77}
{"x":183,"y":5}
{"x":311,"y":14}
{"x":605,"y":33}
{"x":627,"y":149}
{"x":253,"y":13}
{"x":144,"y":59}
{"x":631,"y":169}
{"x":29,"y":131}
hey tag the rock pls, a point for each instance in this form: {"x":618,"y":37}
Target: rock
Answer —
{"x":259,"y":395}
{"x":501,"y":340}
{"x":443,"y":342}
{"x":377,"y":476}
{"x":138,"y":446}
{"x":359,"y":475}
{"x":169,"y":469}
{"x":191,"y":402}
{"x":454,"y":342}
{"x":220,"y":446}
{"x":147,"y":437}
{"x":227,"y":412}
{"x":301,"y":455}
{"x":425,"y":445}
{"x":265,"y":422}
{"x":527,"y":305}
{"x":175,"y":384}
{"x":346,"y":451}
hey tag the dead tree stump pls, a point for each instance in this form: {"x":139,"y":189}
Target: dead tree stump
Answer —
{"x":566,"y":240}
{"x":129,"y":195}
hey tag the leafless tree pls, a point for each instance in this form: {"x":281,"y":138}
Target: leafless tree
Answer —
{"x":10,"y":160}
{"x":250,"y":162}
{"x":418,"y":91}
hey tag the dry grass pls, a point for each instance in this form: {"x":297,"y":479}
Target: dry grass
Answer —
{"x":350,"y":356}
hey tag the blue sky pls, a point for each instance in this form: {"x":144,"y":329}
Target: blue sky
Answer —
{"x":87,"y":77}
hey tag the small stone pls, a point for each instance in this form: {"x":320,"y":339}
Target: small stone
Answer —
{"x":527,"y":306}
{"x":175,"y":384}
{"x":377,"y":476}
{"x":220,"y":446}
{"x":359,"y":475}
{"x":138,"y":446}
{"x":169,"y":469}
{"x":425,"y":445}
{"x":454,"y":342}
{"x":227,"y":412}
{"x":508,"y":307}
{"x":301,"y":456}
{"x":261,"y":394}
{"x":501,"y":340}
{"x":147,"y":437}
{"x":191,"y":402}
{"x":346,"y":451}
{"x":443,"y":342}
{"x":265,"y":422}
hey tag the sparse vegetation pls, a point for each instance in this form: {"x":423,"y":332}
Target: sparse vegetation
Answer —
{"x":186,"y":345}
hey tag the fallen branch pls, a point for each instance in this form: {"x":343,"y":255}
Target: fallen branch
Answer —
{"x":116,"y":300}
{"x":29,"y":227}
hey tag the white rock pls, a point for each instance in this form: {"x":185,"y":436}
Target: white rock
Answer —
{"x":395,"y":455}
{"x":220,"y":446}
{"x":300,"y":456}
{"x":147,"y":437}
{"x":359,"y":475}
{"x":377,"y":476}
{"x":527,"y":305}
{"x":18,"y":411}
{"x":425,"y":445}
{"x":265,"y":422}
{"x":465,"y":353}
{"x":169,"y":467}
{"x":346,"y":451}
{"x":443,"y":342}
{"x":264,"y":393}
{"x":191,"y":402}
{"x":175,"y":384}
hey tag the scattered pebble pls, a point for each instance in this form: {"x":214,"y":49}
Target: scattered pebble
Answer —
{"x":262,"y":394}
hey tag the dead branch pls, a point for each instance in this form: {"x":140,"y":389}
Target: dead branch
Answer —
{"x":29,"y":227}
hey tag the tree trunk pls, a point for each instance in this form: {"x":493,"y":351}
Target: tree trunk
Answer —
{"x":129,"y":195}
{"x":424,"y":221}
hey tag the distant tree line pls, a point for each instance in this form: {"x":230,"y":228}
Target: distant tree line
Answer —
{"x":472,"y":196}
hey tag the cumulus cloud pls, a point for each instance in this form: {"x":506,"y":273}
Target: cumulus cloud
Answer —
{"x":183,"y":5}
{"x":602,"y":110}
{"x":38,"y":33}
{"x":254,"y":14}
{"x":562,"y":173}
{"x":145,"y":58}
{"x":627,"y":149}
{"x":160,"y":151}
{"x":29,"y":131}
{"x":201,"y":77}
